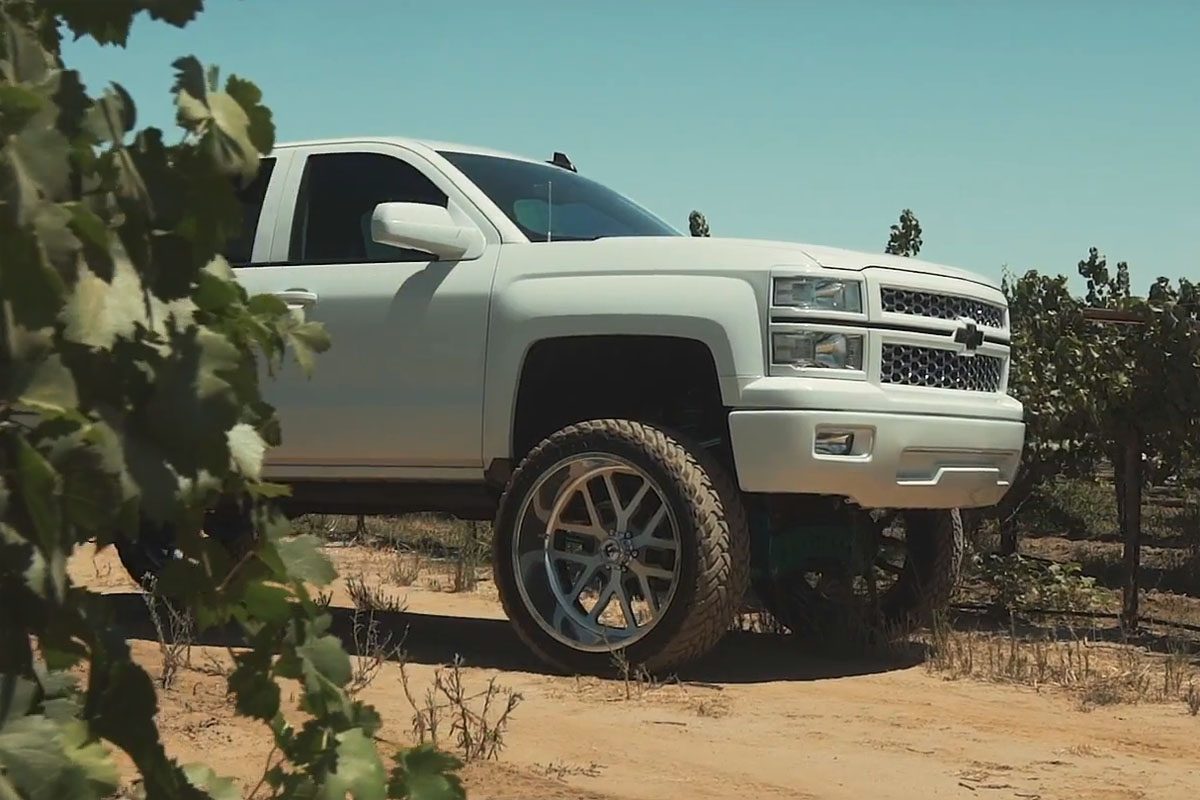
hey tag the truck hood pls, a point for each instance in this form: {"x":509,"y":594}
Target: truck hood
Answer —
{"x":688,"y":253}
{"x":839,"y":258}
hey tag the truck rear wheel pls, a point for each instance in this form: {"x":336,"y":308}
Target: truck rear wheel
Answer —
{"x":155,"y":546}
{"x":914,"y":571}
{"x":613,"y":536}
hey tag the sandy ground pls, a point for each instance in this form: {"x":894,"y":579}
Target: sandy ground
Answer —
{"x":756,"y":720}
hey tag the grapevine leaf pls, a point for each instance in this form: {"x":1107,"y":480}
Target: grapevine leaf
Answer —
{"x":39,"y":486}
{"x":261,"y":128}
{"x":358,"y":773}
{"x":423,"y":773}
{"x":112,"y":116}
{"x":247,"y":449}
{"x":97,"y":312}
{"x":302,"y":559}
{"x":216,"y":787}
{"x":327,"y":658}
{"x":17,"y":696}
{"x":46,"y":386}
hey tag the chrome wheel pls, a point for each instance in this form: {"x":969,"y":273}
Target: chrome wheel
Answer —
{"x":596,"y":552}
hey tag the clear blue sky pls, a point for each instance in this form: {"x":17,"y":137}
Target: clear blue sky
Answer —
{"x":1020,"y":131}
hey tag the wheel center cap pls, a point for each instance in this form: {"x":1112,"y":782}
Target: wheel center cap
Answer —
{"x":616,"y":551}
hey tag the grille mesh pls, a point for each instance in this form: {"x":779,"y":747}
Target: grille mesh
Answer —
{"x":941,"y":306}
{"x":935,"y":368}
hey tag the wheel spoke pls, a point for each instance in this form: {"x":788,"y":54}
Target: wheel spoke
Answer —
{"x":583,"y":530}
{"x":589,"y":572}
{"x":647,"y":593}
{"x":626,"y":606}
{"x":593,"y":514}
{"x":646,"y":538}
{"x":626,"y":513}
{"x":602,"y":603}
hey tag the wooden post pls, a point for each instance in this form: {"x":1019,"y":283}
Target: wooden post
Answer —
{"x":1127,"y":468}
{"x":1130,"y":488}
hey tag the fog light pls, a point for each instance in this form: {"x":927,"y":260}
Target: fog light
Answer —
{"x":834,"y":443}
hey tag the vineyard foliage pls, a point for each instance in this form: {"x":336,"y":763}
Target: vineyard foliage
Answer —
{"x":1085,"y":383}
{"x":130,"y":362}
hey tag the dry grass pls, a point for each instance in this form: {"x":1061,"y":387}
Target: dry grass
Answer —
{"x":175,"y":634}
{"x":1097,"y":673}
{"x":474,"y":722}
{"x":373,"y":647}
{"x":367,"y":597}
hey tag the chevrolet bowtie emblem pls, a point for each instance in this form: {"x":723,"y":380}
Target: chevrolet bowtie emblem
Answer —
{"x":969,"y":336}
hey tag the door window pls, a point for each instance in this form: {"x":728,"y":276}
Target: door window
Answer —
{"x":239,"y":249}
{"x":338,"y":194}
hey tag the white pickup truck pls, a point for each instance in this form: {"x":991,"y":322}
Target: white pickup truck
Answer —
{"x":655,"y":423}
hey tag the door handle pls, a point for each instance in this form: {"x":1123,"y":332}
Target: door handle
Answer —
{"x":298,"y":298}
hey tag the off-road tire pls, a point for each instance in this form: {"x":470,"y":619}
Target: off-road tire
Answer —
{"x":153,"y":549}
{"x":936,"y":544}
{"x":715,"y":545}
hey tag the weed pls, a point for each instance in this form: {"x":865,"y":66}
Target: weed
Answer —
{"x":406,"y":569}
{"x":1099,"y":674}
{"x":373,"y":598}
{"x":476,"y":721}
{"x":1192,"y":699}
{"x":635,"y":679}
{"x":324,"y":599}
{"x":560,"y":772}
{"x":372,"y":649}
{"x":174,"y":637}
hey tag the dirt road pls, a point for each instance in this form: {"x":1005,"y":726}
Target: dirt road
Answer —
{"x":757,"y":720}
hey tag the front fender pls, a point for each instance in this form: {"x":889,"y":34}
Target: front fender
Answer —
{"x":723,"y":312}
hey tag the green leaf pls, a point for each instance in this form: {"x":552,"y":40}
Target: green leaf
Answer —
{"x":307,"y":340}
{"x":358,"y":772}
{"x":45,"y":386}
{"x":39,"y":486}
{"x":112,"y":116}
{"x":262,"y":127}
{"x":302,"y":559}
{"x":45,"y":760}
{"x":424,"y":773}
{"x":109,"y":22}
{"x":216,"y":787}
{"x":220,"y":121}
{"x":328,"y":658}
{"x":247,"y":449}
{"x":256,"y":694}
{"x":17,"y":696}
{"x":97,"y":312}
{"x":267,"y":602}
{"x":25,"y":60}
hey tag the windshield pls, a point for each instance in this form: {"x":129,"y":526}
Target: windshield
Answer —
{"x":549,"y":203}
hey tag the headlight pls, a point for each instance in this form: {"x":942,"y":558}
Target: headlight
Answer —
{"x":821,"y":293}
{"x":817,"y":349}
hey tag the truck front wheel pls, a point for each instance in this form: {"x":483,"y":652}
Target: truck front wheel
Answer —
{"x":614,"y":536}
{"x":911,"y":572}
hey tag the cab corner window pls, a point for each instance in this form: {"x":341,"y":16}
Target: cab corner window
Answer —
{"x":338,"y":194}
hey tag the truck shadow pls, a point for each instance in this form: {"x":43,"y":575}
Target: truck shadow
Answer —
{"x":741,"y":658}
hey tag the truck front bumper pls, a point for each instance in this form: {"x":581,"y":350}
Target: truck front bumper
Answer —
{"x":892,"y":461}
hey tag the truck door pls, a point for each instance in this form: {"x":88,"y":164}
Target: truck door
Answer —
{"x":400,"y":393}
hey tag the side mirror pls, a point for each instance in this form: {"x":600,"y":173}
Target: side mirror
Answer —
{"x":430,"y":228}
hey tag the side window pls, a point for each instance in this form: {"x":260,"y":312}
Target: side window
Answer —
{"x":239,"y":249}
{"x":339,"y":192}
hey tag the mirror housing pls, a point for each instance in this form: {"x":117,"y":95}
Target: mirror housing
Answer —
{"x":429,"y":228}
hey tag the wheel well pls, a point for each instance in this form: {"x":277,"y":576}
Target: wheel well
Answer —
{"x":659,"y":380}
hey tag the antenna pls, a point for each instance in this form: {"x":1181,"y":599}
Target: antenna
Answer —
{"x":549,"y":211}
{"x":561,"y":160}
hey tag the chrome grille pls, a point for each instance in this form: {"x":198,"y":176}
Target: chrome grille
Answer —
{"x":935,"y":368}
{"x":941,"y":306}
